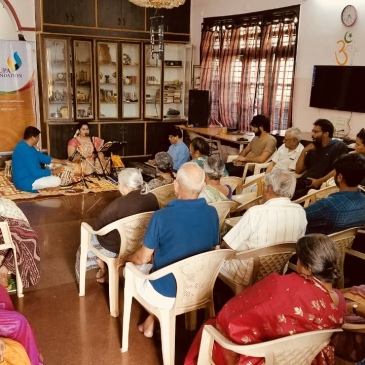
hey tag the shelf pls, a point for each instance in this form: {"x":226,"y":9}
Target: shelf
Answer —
{"x":58,"y":102}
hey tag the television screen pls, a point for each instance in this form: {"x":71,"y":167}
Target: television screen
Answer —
{"x":338,"y":88}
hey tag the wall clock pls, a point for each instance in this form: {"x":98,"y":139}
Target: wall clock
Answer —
{"x":349,"y":15}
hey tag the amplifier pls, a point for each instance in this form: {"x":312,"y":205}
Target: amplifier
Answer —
{"x":173,"y":63}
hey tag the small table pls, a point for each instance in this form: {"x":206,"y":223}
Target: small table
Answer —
{"x":220,"y":133}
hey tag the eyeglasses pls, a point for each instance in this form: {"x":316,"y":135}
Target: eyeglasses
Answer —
{"x":288,"y":139}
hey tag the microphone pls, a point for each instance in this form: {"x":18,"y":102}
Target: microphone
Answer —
{"x":73,"y":155}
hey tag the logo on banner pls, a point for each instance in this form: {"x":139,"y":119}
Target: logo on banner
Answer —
{"x":15,"y":63}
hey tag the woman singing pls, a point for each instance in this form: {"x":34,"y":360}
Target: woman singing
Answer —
{"x":83,"y":147}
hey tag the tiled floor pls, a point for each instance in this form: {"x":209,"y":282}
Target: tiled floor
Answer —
{"x":77,"y":330}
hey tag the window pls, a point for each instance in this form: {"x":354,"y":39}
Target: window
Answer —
{"x":248,"y":63}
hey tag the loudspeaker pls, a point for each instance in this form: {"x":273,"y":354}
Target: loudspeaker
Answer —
{"x":199,"y":108}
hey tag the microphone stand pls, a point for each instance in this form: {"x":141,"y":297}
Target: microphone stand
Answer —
{"x":83,"y":180}
{"x":96,"y":156}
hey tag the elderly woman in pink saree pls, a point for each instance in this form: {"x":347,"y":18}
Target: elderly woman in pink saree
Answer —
{"x":13,"y":325}
{"x":281,"y":305}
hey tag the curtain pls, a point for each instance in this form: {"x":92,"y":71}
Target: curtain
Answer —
{"x":247,"y":62}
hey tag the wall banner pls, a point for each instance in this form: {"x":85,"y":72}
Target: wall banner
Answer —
{"x":17,"y":92}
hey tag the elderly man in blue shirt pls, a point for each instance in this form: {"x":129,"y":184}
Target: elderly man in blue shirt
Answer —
{"x":346,"y":208}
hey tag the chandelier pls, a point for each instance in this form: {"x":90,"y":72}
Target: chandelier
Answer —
{"x":168,"y":4}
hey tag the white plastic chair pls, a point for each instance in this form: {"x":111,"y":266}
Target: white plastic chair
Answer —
{"x":234,"y":182}
{"x":343,"y":240}
{"x":131,"y":230}
{"x":266,"y":260}
{"x":8,"y":244}
{"x":195,"y":278}
{"x":223,"y":209}
{"x":164,"y":194}
{"x":298,"y":349}
{"x":314,"y":195}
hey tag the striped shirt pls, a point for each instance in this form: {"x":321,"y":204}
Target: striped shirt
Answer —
{"x":278,"y":220}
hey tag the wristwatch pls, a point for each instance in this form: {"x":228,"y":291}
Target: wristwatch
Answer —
{"x":354,"y":308}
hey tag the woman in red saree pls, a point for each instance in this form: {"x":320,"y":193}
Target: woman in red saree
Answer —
{"x":282,"y":305}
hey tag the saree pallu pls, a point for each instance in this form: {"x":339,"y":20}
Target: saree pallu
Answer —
{"x":86,"y":148}
{"x":14,"y":353}
{"x":27,"y":248}
{"x":276,"y":306}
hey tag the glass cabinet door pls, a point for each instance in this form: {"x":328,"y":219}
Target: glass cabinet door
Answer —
{"x":174,"y":80}
{"x":83,"y":76}
{"x":107,"y":80}
{"x":58,"y":91}
{"x":196,"y":77}
{"x":152,"y":85}
{"x":131,"y":80}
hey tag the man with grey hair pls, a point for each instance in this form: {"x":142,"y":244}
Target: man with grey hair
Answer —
{"x":277,"y":220}
{"x":287,"y":155}
{"x":186,"y":227}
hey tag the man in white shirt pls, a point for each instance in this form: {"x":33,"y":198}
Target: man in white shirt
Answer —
{"x":287,"y":155}
{"x":277,"y":220}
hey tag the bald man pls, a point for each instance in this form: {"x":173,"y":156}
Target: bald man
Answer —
{"x":186,"y":227}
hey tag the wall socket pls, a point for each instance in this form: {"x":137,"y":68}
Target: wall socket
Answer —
{"x":341,"y":125}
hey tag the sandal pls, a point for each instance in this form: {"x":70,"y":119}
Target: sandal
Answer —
{"x":101,"y":275}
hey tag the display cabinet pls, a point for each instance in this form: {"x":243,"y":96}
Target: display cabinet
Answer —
{"x":57,"y":80}
{"x":152,"y":84}
{"x":166,"y":81}
{"x":131,"y":80}
{"x":107,"y":71}
{"x":196,"y":77}
{"x":83,"y":71}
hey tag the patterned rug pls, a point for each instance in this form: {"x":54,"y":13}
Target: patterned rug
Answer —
{"x":8,"y":190}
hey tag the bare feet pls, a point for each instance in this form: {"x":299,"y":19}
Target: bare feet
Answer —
{"x":102,"y":274}
{"x":147,"y":326}
{"x":4,"y":276}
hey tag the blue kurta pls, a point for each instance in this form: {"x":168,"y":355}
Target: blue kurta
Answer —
{"x":26,"y":165}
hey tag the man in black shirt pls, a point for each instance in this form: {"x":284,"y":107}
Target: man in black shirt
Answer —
{"x":317,"y":158}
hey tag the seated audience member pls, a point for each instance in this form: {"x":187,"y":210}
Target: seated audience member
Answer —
{"x":164,"y":166}
{"x":28,"y":174}
{"x":316,"y":159}
{"x":14,"y":326}
{"x":135,"y":199}
{"x":349,"y":345}
{"x":360,"y":146}
{"x":83,"y":146}
{"x":261,"y":147}
{"x":280,"y":305}
{"x":26,"y":242}
{"x":186,"y":227}
{"x":287,"y":155}
{"x":214,"y":191}
{"x":277,"y":220}
{"x":199,"y":150}
{"x":178,"y":149}
{"x":346,"y":208}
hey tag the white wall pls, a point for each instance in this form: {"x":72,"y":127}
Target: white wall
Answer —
{"x":320,"y":29}
{"x":24,"y":10}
